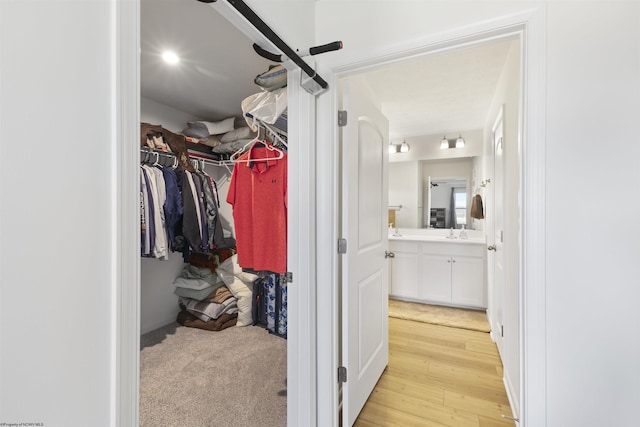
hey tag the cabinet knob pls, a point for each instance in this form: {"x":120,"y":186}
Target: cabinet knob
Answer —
{"x":491,"y":248}
{"x":388,"y":254}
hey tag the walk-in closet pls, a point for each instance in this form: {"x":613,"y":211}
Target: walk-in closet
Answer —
{"x":213,"y":214}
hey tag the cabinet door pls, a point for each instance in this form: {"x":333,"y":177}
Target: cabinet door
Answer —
{"x":405,"y":274}
{"x":467,"y":281}
{"x":436,"y":278}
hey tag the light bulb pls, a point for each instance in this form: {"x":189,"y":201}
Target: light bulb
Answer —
{"x":170,"y":57}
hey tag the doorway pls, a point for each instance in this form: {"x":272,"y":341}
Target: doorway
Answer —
{"x":528,"y":155}
{"x":452,"y":278}
{"x":299,"y":360}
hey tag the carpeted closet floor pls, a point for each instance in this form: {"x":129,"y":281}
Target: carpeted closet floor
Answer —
{"x":195,"y":378}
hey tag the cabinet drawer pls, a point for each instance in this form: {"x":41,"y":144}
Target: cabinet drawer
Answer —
{"x":407,"y":247}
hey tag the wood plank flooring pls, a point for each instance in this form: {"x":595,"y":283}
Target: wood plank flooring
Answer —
{"x":438,"y":376}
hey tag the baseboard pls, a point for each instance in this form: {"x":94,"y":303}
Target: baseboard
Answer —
{"x":157,"y":324}
{"x":511,"y":395}
{"x":440,"y":303}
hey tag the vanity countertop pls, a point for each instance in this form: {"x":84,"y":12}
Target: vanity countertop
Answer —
{"x":436,"y":238}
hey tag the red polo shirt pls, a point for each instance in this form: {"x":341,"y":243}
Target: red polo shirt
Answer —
{"x":258,"y":194}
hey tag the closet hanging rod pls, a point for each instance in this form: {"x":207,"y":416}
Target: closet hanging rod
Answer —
{"x":172,"y":155}
{"x":266,"y":31}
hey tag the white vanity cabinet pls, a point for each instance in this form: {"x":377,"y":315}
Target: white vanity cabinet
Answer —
{"x":445,"y":272}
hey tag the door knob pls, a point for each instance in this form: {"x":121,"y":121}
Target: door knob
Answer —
{"x":491,"y":248}
{"x":388,"y":254}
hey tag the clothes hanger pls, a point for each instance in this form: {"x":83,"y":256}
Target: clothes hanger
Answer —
{"x":258,"y":139}
{"x":249,"y":159}
{"x":242,"y":150}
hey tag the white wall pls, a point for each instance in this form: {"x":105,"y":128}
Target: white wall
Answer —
{"x":404,"y":189}
{"x":56,"y":209}
{"x":592,"y":91}
{"x":159,"y":114}
{"x":507,"y":97}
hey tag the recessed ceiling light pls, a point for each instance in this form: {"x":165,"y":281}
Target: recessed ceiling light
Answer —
{"x":170,"y":57}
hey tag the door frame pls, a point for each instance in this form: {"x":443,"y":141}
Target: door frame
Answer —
{"x":125,"y":301}
{"x":530,"y":27}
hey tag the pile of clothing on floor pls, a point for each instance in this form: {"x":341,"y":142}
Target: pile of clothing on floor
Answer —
{"x":205,"y":302}
{"x":214,"y":293}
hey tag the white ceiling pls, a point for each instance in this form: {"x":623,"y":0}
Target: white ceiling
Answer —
{"x":218,"y":63}
{"x":441,"y":93}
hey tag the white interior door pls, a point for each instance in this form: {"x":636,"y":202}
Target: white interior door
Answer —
{"x":498,"y":238}
{"x":365,"y":335}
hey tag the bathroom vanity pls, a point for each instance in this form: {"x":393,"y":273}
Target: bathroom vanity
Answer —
{"x":428,"y":266}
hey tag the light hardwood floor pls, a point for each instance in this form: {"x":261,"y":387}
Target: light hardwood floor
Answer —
{"x":438,"y":376}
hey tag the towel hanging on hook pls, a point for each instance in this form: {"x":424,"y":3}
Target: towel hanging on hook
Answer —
{"x":477,"y":209}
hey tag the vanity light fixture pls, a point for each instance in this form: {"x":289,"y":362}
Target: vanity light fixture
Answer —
{"x":404,"y":147}
{"x":451,"y":143}
{"x":392,"y":147}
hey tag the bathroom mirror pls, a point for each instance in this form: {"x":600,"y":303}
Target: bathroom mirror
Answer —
{"x":447,"y":203}
{"x":410,"y":195}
